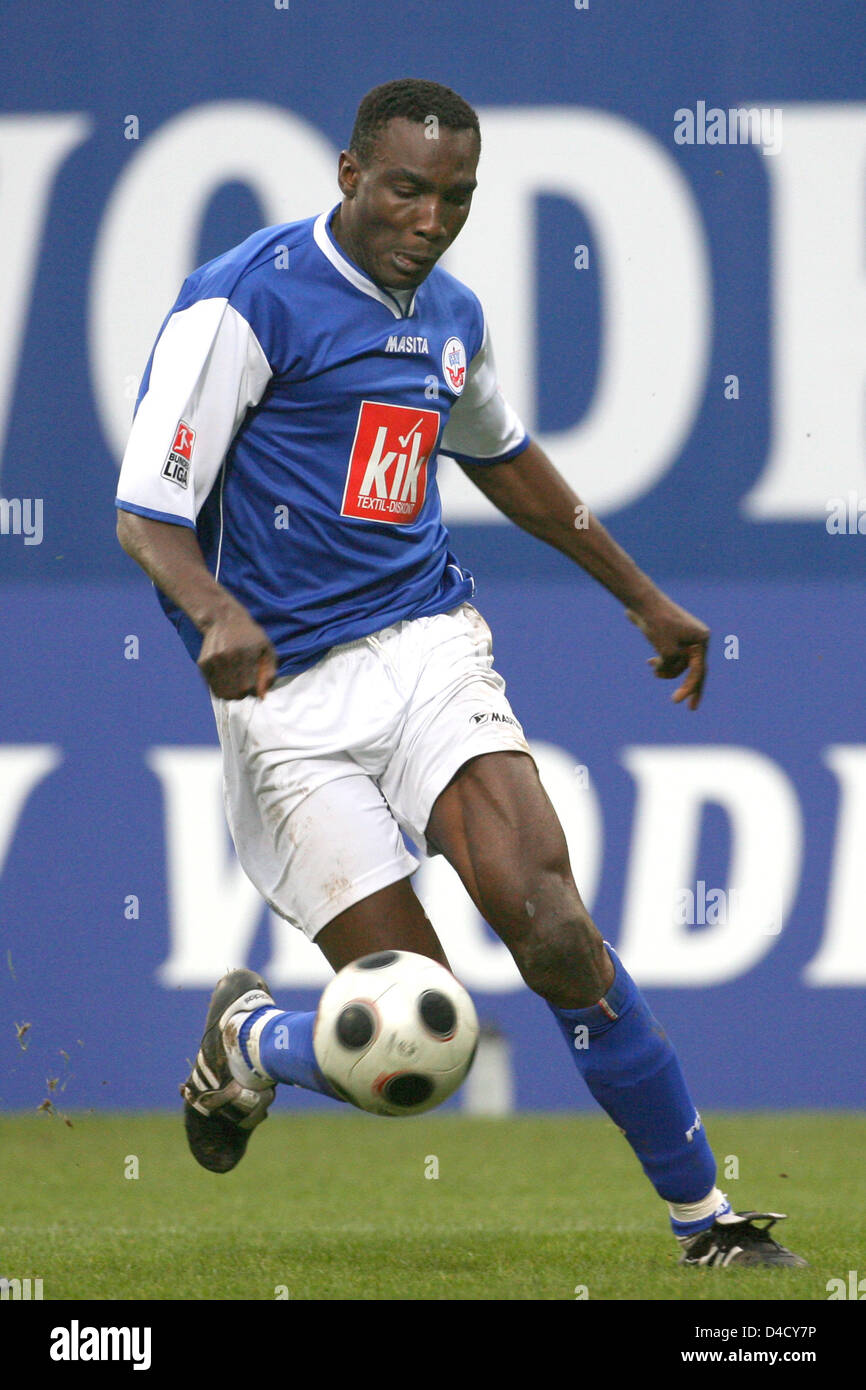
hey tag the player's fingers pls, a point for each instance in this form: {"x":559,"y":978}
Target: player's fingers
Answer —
{"x":265,"y":672}
{"x":693,"y":684}
{"x":667,"y":667}
{"x":232,"y":675}
{"x":226,"y":684}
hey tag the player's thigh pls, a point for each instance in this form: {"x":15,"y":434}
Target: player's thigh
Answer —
{"x":347,"y":875}
{"x":390,"y":919}
{"x":457,"y":710}
{"x":312,"y":828}
{"x":318,"y":839}
{"x":496,"y":825}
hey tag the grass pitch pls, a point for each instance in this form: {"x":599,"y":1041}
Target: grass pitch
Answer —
{"x":346,"y":1206}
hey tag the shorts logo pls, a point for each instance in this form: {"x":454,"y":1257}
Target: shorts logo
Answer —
{"x":176,"y":466}
{"x":454,"y":365}
{"x":387,"y":474}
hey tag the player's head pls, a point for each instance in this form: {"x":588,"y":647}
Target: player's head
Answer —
{"x":407,"y":179}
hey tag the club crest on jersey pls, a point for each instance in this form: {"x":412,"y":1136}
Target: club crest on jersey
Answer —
{"x":454,"y":364}
{"x":176,"y":466}
{"x":387,"y":474}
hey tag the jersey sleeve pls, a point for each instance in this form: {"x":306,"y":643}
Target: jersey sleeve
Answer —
{"x":206,"y":369}
{"x":482,"y":426}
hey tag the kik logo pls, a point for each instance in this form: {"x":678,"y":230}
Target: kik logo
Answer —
{"x":387,"y":475}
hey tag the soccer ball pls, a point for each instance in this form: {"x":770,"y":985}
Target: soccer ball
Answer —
{"x":395,"y":1033}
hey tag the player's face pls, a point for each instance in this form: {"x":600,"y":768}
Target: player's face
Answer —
{"x":401,"y":211}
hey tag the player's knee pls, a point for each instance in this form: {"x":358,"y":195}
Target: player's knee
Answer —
{"x":556,"y":945}
{"x":566,"y":965}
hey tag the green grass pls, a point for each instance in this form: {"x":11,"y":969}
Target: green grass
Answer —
{"x":338,"y":1207}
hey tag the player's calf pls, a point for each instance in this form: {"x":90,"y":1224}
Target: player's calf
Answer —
{"x":632,"y":1070}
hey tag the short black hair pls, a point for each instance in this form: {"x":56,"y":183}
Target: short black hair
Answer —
{"x":416,"y":100}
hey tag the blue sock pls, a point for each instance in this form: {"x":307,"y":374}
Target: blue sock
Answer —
{"x":286,"y":1050}
{"x":631,"y":1069}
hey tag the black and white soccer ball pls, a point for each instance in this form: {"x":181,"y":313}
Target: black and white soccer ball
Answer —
{"x":395,"y":1033}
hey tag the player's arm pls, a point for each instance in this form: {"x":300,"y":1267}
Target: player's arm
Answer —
{"x":236,"y":658}
{"x":206,"y":370}
{"x":530,"y":491}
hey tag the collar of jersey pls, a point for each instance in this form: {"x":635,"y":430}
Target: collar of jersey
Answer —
{"x":340,"y":261}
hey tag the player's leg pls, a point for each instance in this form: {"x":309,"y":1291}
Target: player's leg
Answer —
{"x":331,"y":860}
{"x":391,"y":919}
{"x":496,"y":826}
{"x":276,"y":1045}
{"x":464,"y":784}
{"x":250,"y":1045}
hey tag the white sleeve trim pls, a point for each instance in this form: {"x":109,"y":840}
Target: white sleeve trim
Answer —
{"x":208,"y":368}
{"x":482,"y":424}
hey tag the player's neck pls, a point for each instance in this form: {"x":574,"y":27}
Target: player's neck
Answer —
{"x":347,"y":242}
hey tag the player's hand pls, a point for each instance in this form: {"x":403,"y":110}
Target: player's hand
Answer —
{"x":681,"y":642}
{"x":237,"y":658}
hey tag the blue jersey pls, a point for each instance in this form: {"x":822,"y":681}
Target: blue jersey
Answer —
{"x":291,"y":413}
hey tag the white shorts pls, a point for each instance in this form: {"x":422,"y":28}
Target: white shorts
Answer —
{"x":322,"y":775}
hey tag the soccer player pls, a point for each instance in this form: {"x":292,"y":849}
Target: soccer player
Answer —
{"x":279,"y":488}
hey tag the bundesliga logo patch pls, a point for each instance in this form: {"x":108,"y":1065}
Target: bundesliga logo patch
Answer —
{"x":176,"y":466}
{"x":454,"y":365}
{"x":387,"y":476}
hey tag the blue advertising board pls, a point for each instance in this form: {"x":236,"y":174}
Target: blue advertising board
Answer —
{"x":667,"y":238}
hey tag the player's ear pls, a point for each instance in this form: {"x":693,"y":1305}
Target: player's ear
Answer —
{"x":348,"y":172}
